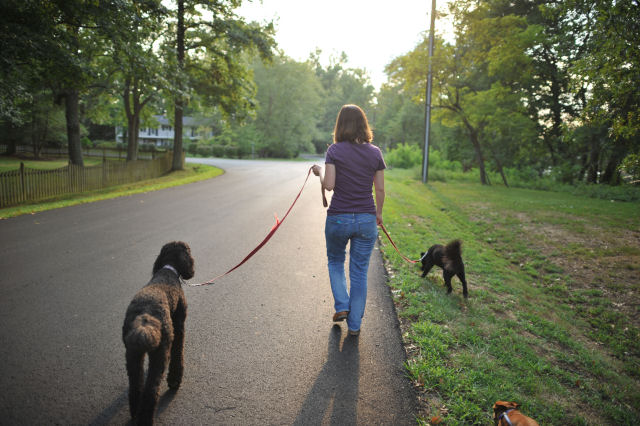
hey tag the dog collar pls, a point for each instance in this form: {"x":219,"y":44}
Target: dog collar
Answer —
{"x":171,"y":268}
{"x":506,"y":418}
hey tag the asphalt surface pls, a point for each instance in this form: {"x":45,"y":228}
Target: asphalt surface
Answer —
{"x":260,"y":345}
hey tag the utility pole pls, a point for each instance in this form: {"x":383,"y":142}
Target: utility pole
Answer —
{"x":427,"y":129}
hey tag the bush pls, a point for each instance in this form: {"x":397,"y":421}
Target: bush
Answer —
{"x":192,"y":148}
{"x":527,"y":177}
{"x":404,"y":156}
{"x":86,"y":142}
{"x":437,"y":162}
{"x":148,"y":147}
{"x":217,"y":150}
{"x":107,"y":145}
{"x":630,"y":167}
{"x":205,"y":150}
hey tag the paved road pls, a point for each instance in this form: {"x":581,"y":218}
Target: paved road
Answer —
{"x":260,"y":344}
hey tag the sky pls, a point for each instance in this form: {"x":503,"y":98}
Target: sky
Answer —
{"x":371,"y":32}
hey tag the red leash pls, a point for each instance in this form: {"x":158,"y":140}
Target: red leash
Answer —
{"x":267,"y":238}
{"x":396,"y":247}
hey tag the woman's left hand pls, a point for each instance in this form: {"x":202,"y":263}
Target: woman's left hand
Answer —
{"x":316,"y":169}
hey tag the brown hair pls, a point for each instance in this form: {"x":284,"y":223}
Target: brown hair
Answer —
{"x":352,"y":126}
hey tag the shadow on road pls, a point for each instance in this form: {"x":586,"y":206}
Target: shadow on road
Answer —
{"x":107,"y":415}
{"x":112,"y":413}
{"x":334,"y":395}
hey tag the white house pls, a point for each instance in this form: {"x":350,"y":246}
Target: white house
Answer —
{"x":162,"y":134}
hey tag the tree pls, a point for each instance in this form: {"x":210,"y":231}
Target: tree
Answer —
{"x":138,"y":69}
{"x":610,"y":69}
{"x":209,"y":43}
{"x":478,"y":75}
{"x":397,"y":119}
{"x":341,"y":86}
{"x":56,"y":42}
{"x":289,"y":107}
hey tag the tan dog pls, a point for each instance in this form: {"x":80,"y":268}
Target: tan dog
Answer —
{"x":505,"y":413}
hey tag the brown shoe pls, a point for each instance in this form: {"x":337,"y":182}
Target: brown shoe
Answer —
{"x":340,"y":316}
{"x":354,"y":332}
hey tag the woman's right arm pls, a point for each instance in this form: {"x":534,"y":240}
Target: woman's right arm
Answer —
{"x":378,"y":183}
{"x":328,"y":180}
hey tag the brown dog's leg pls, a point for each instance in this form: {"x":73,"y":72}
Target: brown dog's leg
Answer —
{"x":176,"y":365}
{"x":135,"y":371}
{"x":157,"y":365}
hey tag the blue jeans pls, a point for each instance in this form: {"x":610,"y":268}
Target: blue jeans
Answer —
{"x":361,"y":229}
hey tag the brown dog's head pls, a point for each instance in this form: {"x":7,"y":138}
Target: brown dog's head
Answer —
{"x":178,"y":255}
{"x":501,"y":406}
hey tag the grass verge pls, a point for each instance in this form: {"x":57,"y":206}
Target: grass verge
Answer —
{"x":552,"y":318}
{"x":191,"y":173}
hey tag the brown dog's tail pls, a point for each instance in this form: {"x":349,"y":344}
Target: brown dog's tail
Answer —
{"x":453,"y":255}
{"x":145,"y":334}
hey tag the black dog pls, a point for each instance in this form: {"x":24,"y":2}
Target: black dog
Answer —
{"x":449,"y":258}
{"x":154,"y":325}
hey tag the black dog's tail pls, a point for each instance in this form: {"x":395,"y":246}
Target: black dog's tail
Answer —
{"x":145,"y":334}
{"x":453,"y":255}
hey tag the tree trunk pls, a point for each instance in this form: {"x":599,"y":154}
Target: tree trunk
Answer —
{"x":611,"y":175}
{"x":479,"y":155}
{"x":33,"y":130}
{"x":500,"y":169}
{"x":133,"y":124}
{"x":72,"y":100}
{"x":179,"y":103}
{"x":592,"y":165}
{"x":475,"y":141}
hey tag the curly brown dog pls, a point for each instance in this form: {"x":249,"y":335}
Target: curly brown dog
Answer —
{"x":154,"y":325}
{"x":449,"y":258}
{"x":505,"y":413}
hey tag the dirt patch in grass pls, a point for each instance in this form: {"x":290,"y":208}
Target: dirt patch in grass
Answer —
{"x":597,"y":259}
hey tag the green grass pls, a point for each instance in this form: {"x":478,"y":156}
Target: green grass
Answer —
{"x":13,"y":163}
{"x":191,"y":173}
{"x":551,"y":321}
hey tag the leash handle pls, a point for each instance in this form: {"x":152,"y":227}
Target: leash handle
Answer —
{"x":396,"y":247}
{"x":266,"y":239}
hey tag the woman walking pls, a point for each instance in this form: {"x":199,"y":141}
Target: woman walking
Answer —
{"x":352,"y":165}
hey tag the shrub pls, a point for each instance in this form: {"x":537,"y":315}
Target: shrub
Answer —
{"x":404,"y":156}
{"x":192,"y":148}
{"x":148,"y":147}
{"x":107,"y":145}
{"x":86,"y":142}
{"x":437,"y":162}
{"x":205,"y":150}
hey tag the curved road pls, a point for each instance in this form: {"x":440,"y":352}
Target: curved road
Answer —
{"x":260,"y":345}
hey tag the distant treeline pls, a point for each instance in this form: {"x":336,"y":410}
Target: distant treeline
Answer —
{"x":550,"y":89}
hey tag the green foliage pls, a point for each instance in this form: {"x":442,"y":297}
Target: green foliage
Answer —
{"x":106,"y":145}
{"x":631,"y":166}
{"x":398,"y":119}
{"x":86,"y":142}
{"x":289,"y":103}
{"x":608,"y":65}
{"x":404,"y":156}
{"x":513,"y":91}
{"x":340,"y":86}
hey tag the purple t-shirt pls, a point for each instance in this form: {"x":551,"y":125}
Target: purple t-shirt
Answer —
{"x":356,"y":164}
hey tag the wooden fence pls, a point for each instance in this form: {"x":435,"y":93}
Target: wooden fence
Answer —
{"x":28,"y":185}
